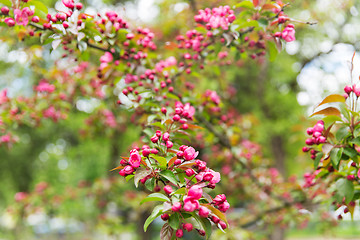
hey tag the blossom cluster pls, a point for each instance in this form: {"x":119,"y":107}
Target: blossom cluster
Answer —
{"x":217,"y":17}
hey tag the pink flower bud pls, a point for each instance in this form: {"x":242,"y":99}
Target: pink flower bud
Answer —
{"x":146,"y":152}
{"x":188,"y":227}
{"x":79,"y":6}
{"x":5,"y":10}
{"x":163,"y":110}
{"x":224,"y":206}
{"x":309,"y":141}
{"x":176,"y":207}
{"x":222,"y":225}
{"x":215,"y":219}
{"x":204,"y":212}
{"x":176,"y":117}
{"x":189,"y":172}
{"x":154,"y":139}
{"x":310,"y":131}
{"x":154,"y":151}
{"x":305,"y":149}
{"x":322,"y":139}
{"x":10,"y":22}
{"x":158,"y":133}
{"x":169,"y":144}
{"x":128,"y":170}
{"x":168,"y":189}
{"x":122,"y":173}
{"x":180,"y":154}
{"x":350,"y":177}
{"x":165,"y":216}
{"x":348,"y":89}
{"x":179,"y":233}
{"x":219,"y":199}
{"x":177,"y":161}
{"x":166,"y":136}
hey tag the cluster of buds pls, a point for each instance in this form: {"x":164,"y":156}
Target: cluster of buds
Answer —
{"x":349,"y":89}
{"x":215,"y":18}
{"x":316,"y":134}
{"x":130,"y":165}
{"x":288,"y":34}
{"x":164,"y":137}
{"x":21,"y":17}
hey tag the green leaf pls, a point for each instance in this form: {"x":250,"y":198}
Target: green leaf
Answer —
{"x":205,"y":224}
{"x":342,"y":133}
{"x":161,"y":160}
{"x":179,"y":191}
{"x":352,"y":153}
{"x":272,"y":50}
{"x":245,"y":4}
{"x":155,"y":213}
{"x":6,"y":2}
{"x":356,"y":141}
{"x":317,"y":159}
{"x":345,"y":188}
{"x":169,"y":175}
{"x":150,"y":184}
{"x":335,"y":157}
{"x":174,"y":220}
{"x":155,"y":197}
{"x":39,"y":5}
{"x":128,"y":177}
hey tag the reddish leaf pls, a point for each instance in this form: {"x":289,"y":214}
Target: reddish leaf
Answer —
{"x":172,"y":160}
{"x":256,"y":3}
{"x":117,"y":168}
{"x":268,"y":6}
{"x":166,"y":232}
{"x":192,"y":126}
{"x":327,"y":111}
{"x":332,"y":98}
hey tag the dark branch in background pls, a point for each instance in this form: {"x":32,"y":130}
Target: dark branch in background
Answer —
{"x":193,"y":6}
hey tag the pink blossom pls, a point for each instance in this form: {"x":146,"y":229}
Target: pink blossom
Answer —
{"x":135,"y":158}
{"x":190,"y":154}
{"x":106,"y":58}
{"x":191,"y":204}
{"x":179,"y":233}
{"x":45,"y":87}
{"x":3,"y":96}
{"x":358,"y":173}
{"x":5,"y":138}
{"x":195,"y":192}
{"x":190,"y":110}
{"x":22,"y":16}
{"x":19,"y":196}
{"x":288,"y":34}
